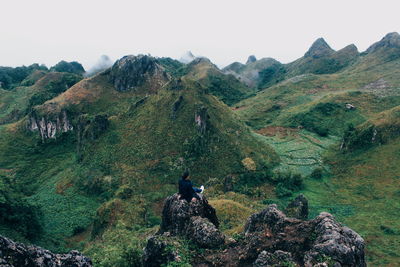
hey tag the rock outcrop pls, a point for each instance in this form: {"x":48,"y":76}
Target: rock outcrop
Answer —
{"x":178,"y":215}
{"x":298,"y":208}
{"x":14,"y":254}
{"x":136,"y":72}
{"x":270,"y":238}
{"x":49,"y":127}
{"x":195,"y":221}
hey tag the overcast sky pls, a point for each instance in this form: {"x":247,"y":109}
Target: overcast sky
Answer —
{"x":47,"y":31}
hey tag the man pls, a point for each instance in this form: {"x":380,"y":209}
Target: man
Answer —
{"x":186,"y":189}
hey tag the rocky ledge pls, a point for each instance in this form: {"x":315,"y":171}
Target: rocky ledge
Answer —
{"x":270,"y":238}
{"x":14,"y":254}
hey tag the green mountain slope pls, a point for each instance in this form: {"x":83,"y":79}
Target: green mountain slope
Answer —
{"x":111,"y":147}
{"x":350,"y":156}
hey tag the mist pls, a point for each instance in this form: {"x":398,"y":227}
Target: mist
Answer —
{"x":103,"y":63}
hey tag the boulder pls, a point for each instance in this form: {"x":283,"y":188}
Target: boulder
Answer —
{"x":298,"y":208}
{"x":195,"y":221}
{"x":14,"y":254}
{"x":177,"y":213}
{"x":335,"y":243}
{"x":160,"y":250}
{"x":204,"y":233}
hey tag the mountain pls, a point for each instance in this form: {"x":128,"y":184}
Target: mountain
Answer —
{"x":319,"y":59}
{"x":226,"y":87}
{"x":253,"y":73}
{"x":319,"y":49}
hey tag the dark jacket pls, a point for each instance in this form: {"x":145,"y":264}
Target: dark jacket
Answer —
{"x":186,"y":190}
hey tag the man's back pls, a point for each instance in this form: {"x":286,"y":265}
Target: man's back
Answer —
{"x":186,"y":189}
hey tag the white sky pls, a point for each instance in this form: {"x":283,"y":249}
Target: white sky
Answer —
{"x":47,"y":31}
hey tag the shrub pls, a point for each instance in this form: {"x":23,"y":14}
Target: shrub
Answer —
{"x":71,"y":67}
{"x":16,"y":212}
{"x":317,"y":173}
{"x":287,"y":183}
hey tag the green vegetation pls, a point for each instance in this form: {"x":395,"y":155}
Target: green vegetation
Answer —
{"x":12,"y":77}
{"x":71,"y":67}
{"x":36,"y":89}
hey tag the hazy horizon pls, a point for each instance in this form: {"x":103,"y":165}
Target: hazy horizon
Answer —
{"x":46,"y":31}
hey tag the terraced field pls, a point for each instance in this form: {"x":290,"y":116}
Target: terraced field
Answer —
{"x":300,"y":151}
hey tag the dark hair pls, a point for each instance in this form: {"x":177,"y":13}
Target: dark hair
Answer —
{"x":185,"y":174}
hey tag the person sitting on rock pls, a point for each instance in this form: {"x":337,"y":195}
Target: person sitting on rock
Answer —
{"x":186,"y":189}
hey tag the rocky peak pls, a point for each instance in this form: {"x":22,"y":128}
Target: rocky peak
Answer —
{"x":251,"y":59}
{"x":187,"y":57}
{"x":351,"y":48}
{"x":134,"y":72}
{"x":390,"y":40}
{"x":318,"y":49}
{"x":16,"y":254}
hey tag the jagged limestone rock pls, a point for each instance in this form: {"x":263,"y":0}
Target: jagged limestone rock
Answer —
{"x":270,"y":238}
{"x":14,"y":254}
{"x":204,"y":233}
{"x":278,"y":258}
{"x":298,"y":208}
{"x":336,"y":243}
{"x":177,"y":212}
{"x":49,"y":127}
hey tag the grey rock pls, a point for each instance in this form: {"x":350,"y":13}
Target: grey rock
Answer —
{"x":338,"y":243}
{"x":49,"y":126}
{"x":14,"y":254}
{"x":278,"y":258}
{"x":159,"y":250}
{"x":204,"y":233}
{"x":177,"y":212}
{"x":270,"y":217}
{"x":298,"y":208}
